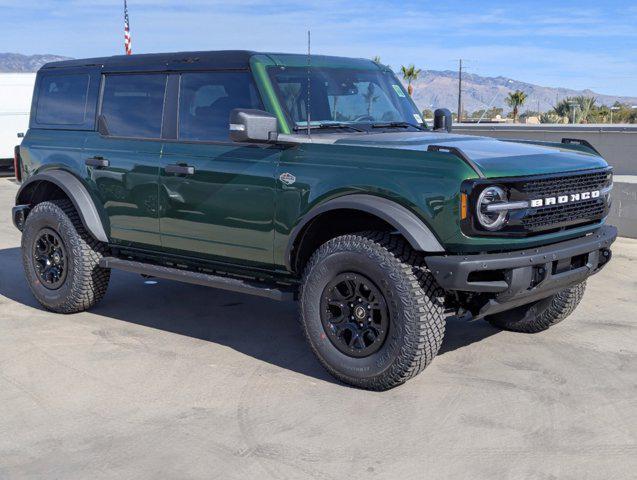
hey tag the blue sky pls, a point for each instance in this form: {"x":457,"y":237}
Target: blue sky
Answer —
{"x":575,"y":44}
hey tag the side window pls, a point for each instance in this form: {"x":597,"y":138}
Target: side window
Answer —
{"x":133,"y":105}
{"x":62,"y":99}
{"x":206,"y":100}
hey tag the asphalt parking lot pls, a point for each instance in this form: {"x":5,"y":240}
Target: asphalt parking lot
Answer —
{"x":169,"y":380}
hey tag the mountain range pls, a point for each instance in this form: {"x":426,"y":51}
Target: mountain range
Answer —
{"x":16,"y":62}
{"x":436,"y":89}
{"x":433,"y":89}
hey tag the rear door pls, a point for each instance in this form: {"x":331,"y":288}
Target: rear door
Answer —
{"x":217,"y":197}
{"x":123,"y":158}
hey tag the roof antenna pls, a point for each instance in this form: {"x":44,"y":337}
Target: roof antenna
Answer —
{"x":309,"y":63}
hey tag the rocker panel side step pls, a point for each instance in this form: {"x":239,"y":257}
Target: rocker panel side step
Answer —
{"x":197,"y":278}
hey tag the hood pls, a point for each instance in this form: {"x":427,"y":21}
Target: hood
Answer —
{"x":493,"y":157}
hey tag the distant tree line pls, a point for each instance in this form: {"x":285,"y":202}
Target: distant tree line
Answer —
{"x":578,"y":109}
{"x":582,"y":109}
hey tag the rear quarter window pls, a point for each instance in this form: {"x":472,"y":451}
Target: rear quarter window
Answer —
{"x":63,"y":100}
{"x":133,"y":104}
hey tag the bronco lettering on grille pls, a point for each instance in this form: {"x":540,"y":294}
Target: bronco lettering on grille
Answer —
{"x":562,"y":199}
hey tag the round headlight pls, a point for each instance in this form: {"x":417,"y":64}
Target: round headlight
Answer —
{"x":491,"y":220}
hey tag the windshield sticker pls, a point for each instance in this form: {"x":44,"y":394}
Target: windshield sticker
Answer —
{"x":399,"y":91}
{"x":418,"y":118}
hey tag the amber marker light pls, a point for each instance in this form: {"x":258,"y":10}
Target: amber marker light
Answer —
{"x":463,"y":206}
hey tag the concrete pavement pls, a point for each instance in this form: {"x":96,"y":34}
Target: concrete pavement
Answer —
{"x":166,"y":380}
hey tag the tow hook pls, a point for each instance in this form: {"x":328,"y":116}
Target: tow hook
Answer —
{"x":606,"y":256}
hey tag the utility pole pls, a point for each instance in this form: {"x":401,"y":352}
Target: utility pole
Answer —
{"x":460,"y":92}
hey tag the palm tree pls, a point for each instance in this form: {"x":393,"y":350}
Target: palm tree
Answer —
{"x":515,"y":100}
{"x":563,"y":109}
{"x":586,"y":106}
{"x":578,"y":109}
{"x":410,"y":74}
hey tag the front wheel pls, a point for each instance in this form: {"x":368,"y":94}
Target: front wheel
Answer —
{"x":540,"y":315}
{"x":372,"y":314}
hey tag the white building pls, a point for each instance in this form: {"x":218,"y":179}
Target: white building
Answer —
{"x":16,"y":91}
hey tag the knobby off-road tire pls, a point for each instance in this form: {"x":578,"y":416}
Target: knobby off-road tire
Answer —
{"x":540,"y":315}
{"x":414,"y":304}
{"x":82,"y":282}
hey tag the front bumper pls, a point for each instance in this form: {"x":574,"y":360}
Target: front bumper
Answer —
{"x":510,"y":279}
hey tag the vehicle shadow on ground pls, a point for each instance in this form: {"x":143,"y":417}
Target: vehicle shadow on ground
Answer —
{"x":263,"y":329}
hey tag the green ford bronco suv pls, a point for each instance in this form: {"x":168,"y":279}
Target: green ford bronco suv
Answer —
{"x":309,"y":178}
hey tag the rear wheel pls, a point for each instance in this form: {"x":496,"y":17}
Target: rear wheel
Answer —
{"x":61,"y":259}
{"x":540,"y":315}
{"x":370,"y":311}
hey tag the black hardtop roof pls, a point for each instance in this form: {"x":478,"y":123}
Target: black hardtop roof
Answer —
{"x":225,"y":59}
{"x":215,"y":59}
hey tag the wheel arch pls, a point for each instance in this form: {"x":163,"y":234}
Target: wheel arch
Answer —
{"x":377,"y":213}
{"x":55,"y":184}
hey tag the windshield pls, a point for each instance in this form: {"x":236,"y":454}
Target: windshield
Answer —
{"x":341,"y":97}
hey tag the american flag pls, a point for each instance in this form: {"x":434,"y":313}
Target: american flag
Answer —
{"x":127,"y":40}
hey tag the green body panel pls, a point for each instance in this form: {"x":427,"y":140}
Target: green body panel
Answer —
{"x":296,"y":60}
{"x":234,"y":209}
{"x":127,"y":187}
{"x":225,"y":210}
{"x":50,"y":149}
{"x":259,"y":64}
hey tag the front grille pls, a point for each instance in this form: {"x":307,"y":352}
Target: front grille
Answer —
{"x":563,"y":185}
{"x":570,"y":214}
{"x":576,"y":213}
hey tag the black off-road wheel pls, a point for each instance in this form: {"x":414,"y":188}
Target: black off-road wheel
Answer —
{"x":541,"y":315}
{"x":61,"y":259}
{"x":370,"y":310}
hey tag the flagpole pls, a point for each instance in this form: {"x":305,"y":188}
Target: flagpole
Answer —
{"x":127,"y":37}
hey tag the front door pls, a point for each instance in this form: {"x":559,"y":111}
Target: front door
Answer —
{"x":123,"y":160}
{"x":216,"y":196}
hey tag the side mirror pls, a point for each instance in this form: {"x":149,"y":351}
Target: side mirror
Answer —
{"x":253,"y":126}
{"x":442,"y":120}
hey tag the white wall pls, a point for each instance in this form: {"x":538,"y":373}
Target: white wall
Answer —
{"x":16,"y":90}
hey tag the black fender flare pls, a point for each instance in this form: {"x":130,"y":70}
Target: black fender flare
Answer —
{"x":77,"y":193}
{"x":417,"y":233}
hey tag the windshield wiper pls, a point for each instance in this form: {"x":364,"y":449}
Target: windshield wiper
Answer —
{"x":323,"y":126}
{"x":396,"y":125}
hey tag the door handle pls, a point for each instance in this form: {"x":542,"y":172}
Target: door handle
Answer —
{"x":180,"y":169}
{"x":97,"y":162}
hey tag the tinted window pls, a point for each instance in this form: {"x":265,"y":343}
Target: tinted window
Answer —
{"x":133,"y":105}
{"x":206,"y":100}
{"x":62,"y":99}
